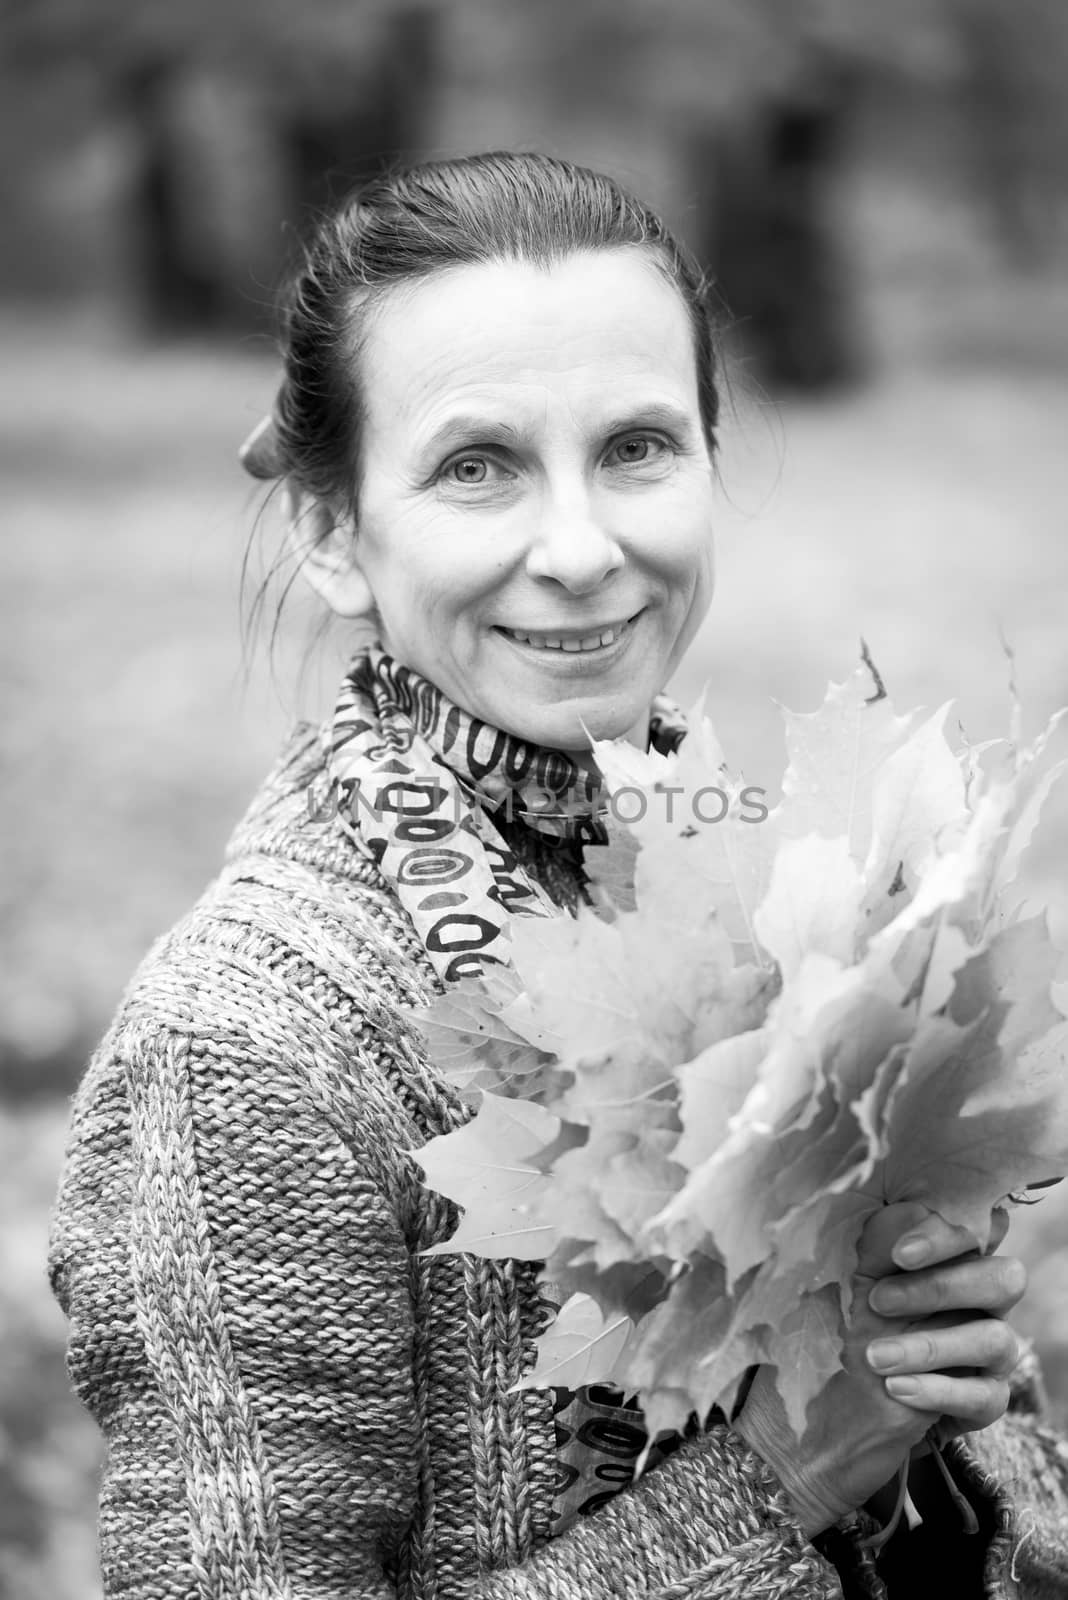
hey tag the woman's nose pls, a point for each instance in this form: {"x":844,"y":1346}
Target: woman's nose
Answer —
{"x":572,"y":546}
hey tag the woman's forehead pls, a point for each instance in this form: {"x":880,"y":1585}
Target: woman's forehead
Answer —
{"x":601,"y":331}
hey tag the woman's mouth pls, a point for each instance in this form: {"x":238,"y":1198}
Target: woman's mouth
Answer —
{"x":570,"y":641}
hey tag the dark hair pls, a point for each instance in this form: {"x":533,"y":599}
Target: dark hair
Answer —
{"x":407,"y":225}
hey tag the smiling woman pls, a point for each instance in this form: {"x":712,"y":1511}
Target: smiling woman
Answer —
{"x":496,"y":431}
{"x":535,"y":494}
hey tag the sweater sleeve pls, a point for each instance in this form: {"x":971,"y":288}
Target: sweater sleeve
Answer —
{"x":1019,"y":1467}
{"x":245,"y":1343}
{"x":710,"y":1523}
{"x":240,"y":1329}
{"x":1014,"y":1474}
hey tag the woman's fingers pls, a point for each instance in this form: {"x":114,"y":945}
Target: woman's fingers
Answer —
{"x":883,"y":1229}
{"x":907,"y":1236}
{"x":987,"y":1343}
{"x":970,"y":1402}
{"x":932,"y":1241}
{"x":975,"y":1283}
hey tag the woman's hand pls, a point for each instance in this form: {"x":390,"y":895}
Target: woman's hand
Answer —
{"x":926,"y":1341}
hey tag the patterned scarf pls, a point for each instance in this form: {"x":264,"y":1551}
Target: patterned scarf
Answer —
{"x":418,"y":782}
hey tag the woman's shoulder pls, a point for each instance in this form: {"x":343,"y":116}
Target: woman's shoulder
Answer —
{"x":298,"y":927}
{"x":291,"y":816}
{"x":287,"y":983}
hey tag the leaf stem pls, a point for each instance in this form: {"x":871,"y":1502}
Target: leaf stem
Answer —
{"x":905,"y":1506}
{"x":966,"y":1510}
{"x":875,"y":1541}
{"x":643,"y":1094}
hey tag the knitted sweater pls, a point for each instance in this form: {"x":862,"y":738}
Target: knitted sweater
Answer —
{"x":297,"y":1405}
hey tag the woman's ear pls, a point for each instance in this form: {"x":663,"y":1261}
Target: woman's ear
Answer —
{"x":325,"y":546}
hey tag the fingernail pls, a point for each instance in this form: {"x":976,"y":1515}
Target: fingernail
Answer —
{"x":912,"y":1251}
{"x":888,"y":1297}
{"x":902,"y":1388}
{"x":885,"y":1353}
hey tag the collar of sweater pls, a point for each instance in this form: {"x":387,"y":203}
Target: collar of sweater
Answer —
{"x":294,"y":816}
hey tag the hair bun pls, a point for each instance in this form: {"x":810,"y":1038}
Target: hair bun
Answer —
{"x":261,"y":454}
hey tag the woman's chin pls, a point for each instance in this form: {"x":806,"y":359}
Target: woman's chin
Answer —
{"x":572,"y":728}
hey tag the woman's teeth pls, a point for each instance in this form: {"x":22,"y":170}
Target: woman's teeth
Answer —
{"x":550,"y":641}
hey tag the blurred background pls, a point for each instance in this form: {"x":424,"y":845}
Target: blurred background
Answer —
{"x":882,"y":195}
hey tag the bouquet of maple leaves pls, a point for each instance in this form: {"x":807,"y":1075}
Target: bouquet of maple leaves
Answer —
{"x":693,"y":1095}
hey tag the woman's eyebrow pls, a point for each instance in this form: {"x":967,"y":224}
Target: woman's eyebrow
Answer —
{"x":471,"y":427}
{"x":656,"y":414}
{"x":474,"y":427}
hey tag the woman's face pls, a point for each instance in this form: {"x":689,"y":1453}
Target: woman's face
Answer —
{"x":536,"y":494}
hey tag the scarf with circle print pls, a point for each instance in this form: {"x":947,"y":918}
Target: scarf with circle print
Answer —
{"x":417,"y":781}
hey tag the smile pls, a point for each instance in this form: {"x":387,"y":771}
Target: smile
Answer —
{"x":572,"y":643}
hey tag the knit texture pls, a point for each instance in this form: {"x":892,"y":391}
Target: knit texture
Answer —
{"x":296,"y":1403}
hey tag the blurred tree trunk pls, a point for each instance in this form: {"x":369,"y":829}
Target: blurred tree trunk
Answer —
{"x":1018,"y":129}
{"x":218,"y":166}
{"x":178,"y":291}
{"x":766,"y":229}
{"x":333,"y":149}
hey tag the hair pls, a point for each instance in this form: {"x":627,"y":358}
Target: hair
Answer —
{"x":405,"y":226}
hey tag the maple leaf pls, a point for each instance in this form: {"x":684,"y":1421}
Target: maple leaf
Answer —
{"x":738,"y":1004}
{"x":838,"y":1153}
{"x":1034,"y":791}
{"x":489,"y":1167}
{"x":957,"y":883}
{"x":577,"y":1203}
{"x":971,"y":760}
{"x":499,"y":1233}
{"x":1015,"y":969}
{"x":632,"y":1287}
{"x":574,"y":976}
{"x":811,"y":903}
{"x":807,"y":1028}
{"x":834,"y":754}
{"x":468,"y":1039}
{"x":831,"y":1028}
{"x":675,"y":967}
{"x":706,"y":1215}
{"x":959,"y":1161}
{"x":947,"y":953}
{"x":815,"y":1247}
{"x":621,"y":1002}
{"x":712,"y":1089}
{"x":623,"y":765}
{"x":639,"y":1181}
{"x":581,"y":1346}
{"x":814,"y":1240}
{"x":668,"y":1357}
{"x":918,"y":803}
{"x":610,"y":868}
{"x":491,"y":1154}
{"x":1043,"y":1065}
{"x":761,"y":1036}
{"x":689,"y":855}
{"x":724,"y":1372}
{"x":806,"y":1349}
{"x":724,"y":866}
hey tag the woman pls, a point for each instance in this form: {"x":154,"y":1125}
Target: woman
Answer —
{"x":496,"y":431}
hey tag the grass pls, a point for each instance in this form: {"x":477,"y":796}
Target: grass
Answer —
{"x":924,"y":512}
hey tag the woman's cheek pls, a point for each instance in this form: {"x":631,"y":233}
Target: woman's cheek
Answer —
{"x":678,"y":521}
{"x":683,"y":555}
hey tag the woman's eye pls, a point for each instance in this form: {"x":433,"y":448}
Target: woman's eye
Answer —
{"x":474,"y":471}
{"x":641,"y":449}
{"x":469,"y":469}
